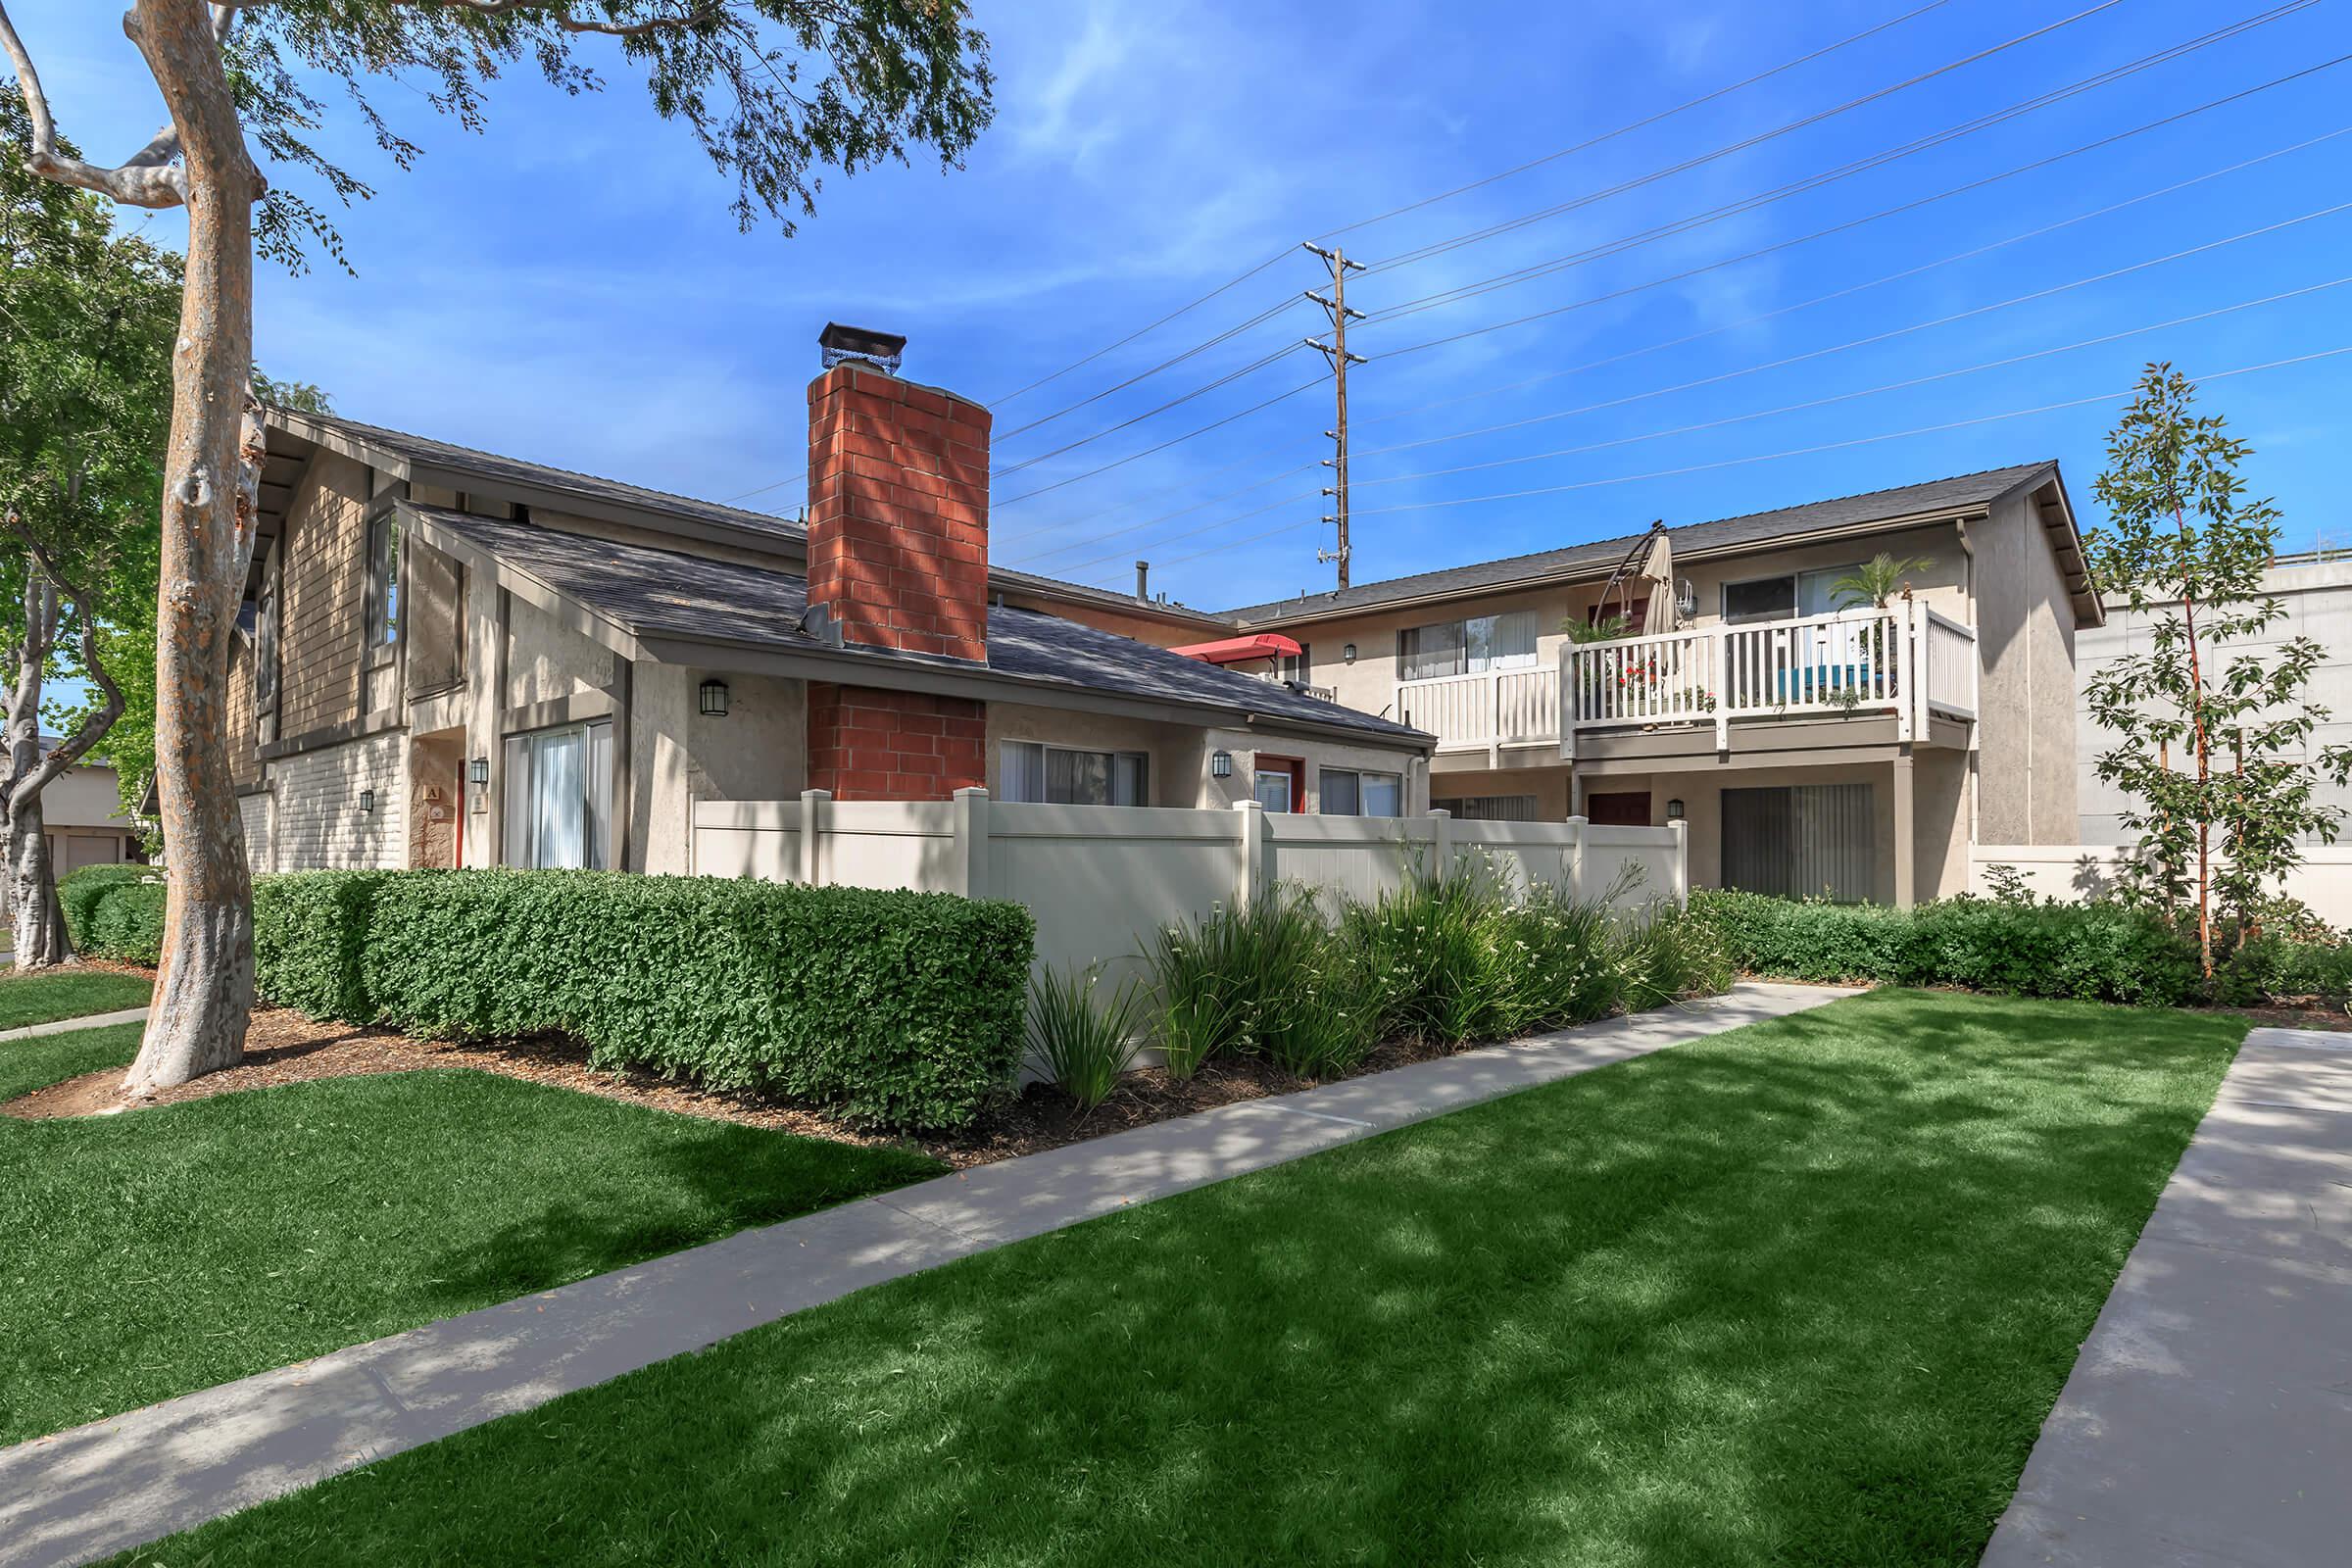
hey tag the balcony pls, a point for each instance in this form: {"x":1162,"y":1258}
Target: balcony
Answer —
{"x":1906,"y":663}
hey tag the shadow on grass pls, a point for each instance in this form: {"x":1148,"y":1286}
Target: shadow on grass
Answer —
{"x":1797,"y":1294}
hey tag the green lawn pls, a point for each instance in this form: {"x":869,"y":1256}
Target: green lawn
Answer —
{"x":1800,"y":1294}
{"x":150,"y":1254}
{"x":51,"y":995}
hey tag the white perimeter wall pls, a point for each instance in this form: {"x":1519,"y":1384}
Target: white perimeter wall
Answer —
{"x":2322,"y":881}
{"x":1102,"y":880}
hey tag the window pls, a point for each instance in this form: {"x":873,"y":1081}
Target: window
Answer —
{"x":1299,"y":670}
{"x":558,"y":798}
{"x":1349,"y":792}
{"x":1792,"y":593}
{"x":383,"y":587}
{"x":265,"y":648}
{"x":1803,"y":840}
{"x":1467,"y":646}
{"x":1273,"y":788}
{"x":1034,"y":773}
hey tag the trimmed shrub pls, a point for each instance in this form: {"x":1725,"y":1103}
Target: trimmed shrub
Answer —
{"x":79,"y":894}
{"x":2287,"y":970}
{"x":2092,"y":953}
{"x":896,"y":1010}
{"x":128,"y":924}
{"x":309,"y":940}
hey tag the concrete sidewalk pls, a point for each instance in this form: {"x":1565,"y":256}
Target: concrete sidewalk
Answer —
{"x":136,"y":1477}
{"x":2209,"y":1418}
{"x":61,"y":1026}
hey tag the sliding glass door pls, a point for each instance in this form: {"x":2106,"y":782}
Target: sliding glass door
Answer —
{"x":558,"y":798}
{"x":1803,"y":841}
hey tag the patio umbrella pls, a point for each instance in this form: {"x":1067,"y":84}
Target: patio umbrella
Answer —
{"x":1658,"y":570}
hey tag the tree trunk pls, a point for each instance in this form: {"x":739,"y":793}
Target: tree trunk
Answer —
{"x":204,"y":986}
{"x":40,"y":924}
{"x":33,"y":895}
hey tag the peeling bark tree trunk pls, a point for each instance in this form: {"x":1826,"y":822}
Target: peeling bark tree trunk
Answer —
{"x":40,"y":925}
{"x":204,"y":988}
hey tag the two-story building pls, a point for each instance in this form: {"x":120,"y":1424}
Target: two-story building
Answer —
{"x":451,"y":658}
{"x":1815,"y":746}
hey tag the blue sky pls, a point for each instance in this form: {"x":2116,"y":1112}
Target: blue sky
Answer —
{"x":570,"y":287}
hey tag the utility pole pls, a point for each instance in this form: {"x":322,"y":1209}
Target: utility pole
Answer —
{"x":1336,"y":351}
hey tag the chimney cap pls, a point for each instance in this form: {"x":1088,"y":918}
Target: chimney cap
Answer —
{"x":883,"y":350}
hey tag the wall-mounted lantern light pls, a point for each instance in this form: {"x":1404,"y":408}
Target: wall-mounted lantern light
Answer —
{"x":1348,"y":653}
{"x":477,"y":771}
{"x":714,"y":699}
{"x":1220,"y":764}
{"x":1674,"y":810}
{"x":366,"y":803}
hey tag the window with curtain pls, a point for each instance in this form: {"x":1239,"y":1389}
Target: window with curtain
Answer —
{"x":383,"y":586}
{"x":1028,"y":771}
{"x":1467,"y":646}
{"x":1349,"y":792}
{"x":558,"y":798}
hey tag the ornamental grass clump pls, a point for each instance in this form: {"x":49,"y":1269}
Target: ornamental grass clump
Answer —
{"x":1220,"y":983}
{"x":1085,"y":1039}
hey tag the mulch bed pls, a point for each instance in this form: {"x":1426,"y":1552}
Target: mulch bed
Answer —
{"x":285,"y":1046}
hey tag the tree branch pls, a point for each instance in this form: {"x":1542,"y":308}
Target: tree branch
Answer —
{"x":558,"y":11}
{"x":93,"y":726}
{"x":149,"y":179}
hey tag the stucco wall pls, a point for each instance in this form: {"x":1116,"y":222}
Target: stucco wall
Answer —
{"x":547,"y":659}
{"x":757,"y":752}
{"x":2026,"y":702}
{"x":318,"y":824}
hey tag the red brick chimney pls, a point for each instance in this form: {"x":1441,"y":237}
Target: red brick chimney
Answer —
{"x":898,"y":558}
{"x":898,"y":512}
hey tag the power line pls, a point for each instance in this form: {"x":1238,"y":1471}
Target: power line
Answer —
{"x":1890,"y":386}
{"x":1476,"y":236}
{"x":1768,"y":457}
{"x":1876,"y":338}
{"x":1428,"y":201}
{"x":1207,"y":527}
{"x":1231,"y":332}
{"x":1873,"y":160}
{"x":2024,"y":105}
{"x":1084,"y":540}
{"x":1766,"y":316}
{"x":1823,"y":402}
{"x":1230,"y":376}
{"x":1120,"y":462}
{"x":1630,"y":127}
{"x":1851,"y":290}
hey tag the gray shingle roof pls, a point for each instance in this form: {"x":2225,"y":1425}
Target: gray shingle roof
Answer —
{"x":1957,"y":493}
{"x":666,"y":593}
{"x":592,"y":491}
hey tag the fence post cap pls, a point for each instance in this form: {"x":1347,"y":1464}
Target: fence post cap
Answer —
{"x":972,"y":790}
{"x":1248,"y":806}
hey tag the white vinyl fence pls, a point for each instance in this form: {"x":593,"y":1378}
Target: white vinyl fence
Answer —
{"x":2322,"y":881}
{"x":1102,"y":880}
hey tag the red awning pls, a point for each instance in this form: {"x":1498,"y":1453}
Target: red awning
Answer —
{"x":1240,"y":650}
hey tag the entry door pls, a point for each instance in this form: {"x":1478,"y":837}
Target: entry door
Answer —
{"x":1802,"y":842}
{"x":1618,"y":808}
{"x":88,"y":850}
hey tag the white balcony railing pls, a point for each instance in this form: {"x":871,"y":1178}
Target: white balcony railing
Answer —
{"x":1907,"y":660}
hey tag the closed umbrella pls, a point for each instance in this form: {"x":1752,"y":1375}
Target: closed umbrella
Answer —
{"x":1658,"y":569}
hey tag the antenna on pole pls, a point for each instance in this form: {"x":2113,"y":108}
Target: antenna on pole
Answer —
{"x":1336,"y":351}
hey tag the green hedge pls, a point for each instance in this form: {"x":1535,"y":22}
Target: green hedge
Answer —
{"x":128,"y":924}
{"x":80,"y":893}
{"x":310,"y":936}
{"x":2096,"y":951}
{"x":896,"y":1009}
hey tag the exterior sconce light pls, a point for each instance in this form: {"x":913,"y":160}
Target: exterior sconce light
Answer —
{"x":714,"y":699}
{"x":477,"y":771}
{"x":1348,"y":653}
{"x":1674,"y":810}
{"x":366,"y":803}
{"x":1220,"y":764}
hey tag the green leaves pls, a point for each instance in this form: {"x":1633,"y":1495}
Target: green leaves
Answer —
{"x":894,"y":1010}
